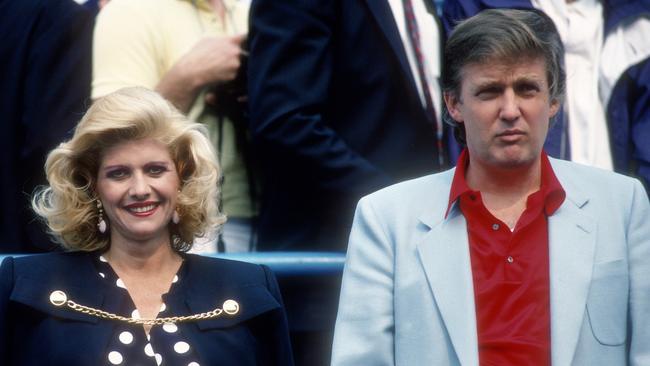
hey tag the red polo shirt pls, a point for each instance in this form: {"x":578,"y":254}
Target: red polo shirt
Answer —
{"x":510,"y":271}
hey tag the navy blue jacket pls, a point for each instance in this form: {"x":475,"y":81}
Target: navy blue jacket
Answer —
{"x":35,"y":332}
{"x":628,"y":108}
{"x":45,"y":69}
{"x":334,"y":113}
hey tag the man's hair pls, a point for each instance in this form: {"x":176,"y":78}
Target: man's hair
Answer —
{"x":68,"y":204}
{"x":502,"y":35}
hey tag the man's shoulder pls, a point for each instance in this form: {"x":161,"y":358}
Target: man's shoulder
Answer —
{"x":426,"y":192}
{"x":584,"y":183}
{"x":588,"y":176}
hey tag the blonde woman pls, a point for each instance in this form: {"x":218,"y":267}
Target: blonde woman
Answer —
{"x":128,"y":194}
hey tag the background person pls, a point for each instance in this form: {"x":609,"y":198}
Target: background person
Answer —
{"x":526,"y":260}
{"x":128,"y":195}
{"x":344,"y":99}
{"x":188,"y":50}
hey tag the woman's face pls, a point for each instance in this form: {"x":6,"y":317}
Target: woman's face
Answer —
{"x":138,"y":185}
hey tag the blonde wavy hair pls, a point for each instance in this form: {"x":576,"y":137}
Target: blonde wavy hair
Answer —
{"x":68,"y":204}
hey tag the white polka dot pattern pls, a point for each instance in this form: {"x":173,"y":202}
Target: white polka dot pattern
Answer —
{"x":126,"y":337}
{"x":115,"y":358}
{"x":181,"y":347}
{"x":170,"y":327}
{"x":148,"y":350}
{"x":130,"y":344}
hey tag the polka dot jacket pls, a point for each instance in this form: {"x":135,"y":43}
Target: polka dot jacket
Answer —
{"x":35,"y":331}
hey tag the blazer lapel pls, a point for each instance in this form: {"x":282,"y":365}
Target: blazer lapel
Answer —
{"x":572,"y":241}
{"x":444,"y":254}
{"x":384,"y":16}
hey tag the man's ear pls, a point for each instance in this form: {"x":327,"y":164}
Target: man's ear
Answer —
{"x":452,"y":102}
{"x":555,"y":107}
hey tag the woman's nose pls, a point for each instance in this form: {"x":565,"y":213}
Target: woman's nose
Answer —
{"x":140,"y":187}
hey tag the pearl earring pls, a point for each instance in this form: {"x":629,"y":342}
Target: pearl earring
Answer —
{"x":176,"y":218}
{"x":101,"y":224}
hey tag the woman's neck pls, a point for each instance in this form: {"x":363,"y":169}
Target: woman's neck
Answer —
{"x":143,"y":257}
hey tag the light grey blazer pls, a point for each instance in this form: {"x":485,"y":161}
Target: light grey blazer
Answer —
{"x":407,"y":296}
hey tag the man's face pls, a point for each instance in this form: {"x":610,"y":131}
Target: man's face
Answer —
{"x":506,"y":109}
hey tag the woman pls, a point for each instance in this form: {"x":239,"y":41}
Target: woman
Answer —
{"x":128,"y":195}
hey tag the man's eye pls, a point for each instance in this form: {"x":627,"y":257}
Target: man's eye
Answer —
{"x":528,"y":89}
{"x":487,"y":93}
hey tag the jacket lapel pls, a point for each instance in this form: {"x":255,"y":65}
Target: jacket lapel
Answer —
{"x":384,"y":16}
{"x":572,"y":242}
{"x":444,"y":255}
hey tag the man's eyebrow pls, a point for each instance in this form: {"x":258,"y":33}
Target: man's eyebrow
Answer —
{"x":487,"y":84}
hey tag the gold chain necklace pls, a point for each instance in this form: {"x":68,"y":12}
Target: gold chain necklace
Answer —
{"x":59,"y":298}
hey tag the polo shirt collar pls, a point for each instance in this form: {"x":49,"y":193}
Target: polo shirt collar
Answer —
{"x":550,"y":187}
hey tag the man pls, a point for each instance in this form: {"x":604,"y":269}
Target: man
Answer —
{"x":524,"y":260}
{"x":608,"y":63}
{"x":185,"y":50}
{"x":344,"y":99}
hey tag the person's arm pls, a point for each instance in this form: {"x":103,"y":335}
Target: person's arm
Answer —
{"x":290,"y":73}
{"x":212,"y":60}
{"x":127,"y":51}
{"x":638,"y":244}
{"x":364,"y":333}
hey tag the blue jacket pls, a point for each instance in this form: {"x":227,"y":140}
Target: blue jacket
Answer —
{"x":35,"y":332}
{"x":408,"y":298}
{"x":628,"y":108}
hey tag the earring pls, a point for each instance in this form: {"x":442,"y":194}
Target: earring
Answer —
{"x":101,"y":224}
{"x":176,"y":218}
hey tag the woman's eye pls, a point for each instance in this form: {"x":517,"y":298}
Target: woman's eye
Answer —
{"x":116,"y":174}
{"x":156,"y":170}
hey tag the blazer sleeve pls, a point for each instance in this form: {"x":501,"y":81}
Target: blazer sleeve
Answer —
{"x":290,"y":73}
{"x":6,"y":286}
{"x":364,"y":332}
{"x":280,"y":348}
{"x":638,"y":244}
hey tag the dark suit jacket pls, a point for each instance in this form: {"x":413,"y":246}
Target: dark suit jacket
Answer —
{"x":35,"y":332}
{"x":334,"y":114}
{"x":45,"y":68}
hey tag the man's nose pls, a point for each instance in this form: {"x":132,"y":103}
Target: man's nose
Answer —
{"x":510,"y":111}
{"x":140,"y":188}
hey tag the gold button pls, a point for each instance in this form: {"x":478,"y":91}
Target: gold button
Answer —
{"x":231,"y":307}
{"x":58,"y":298}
